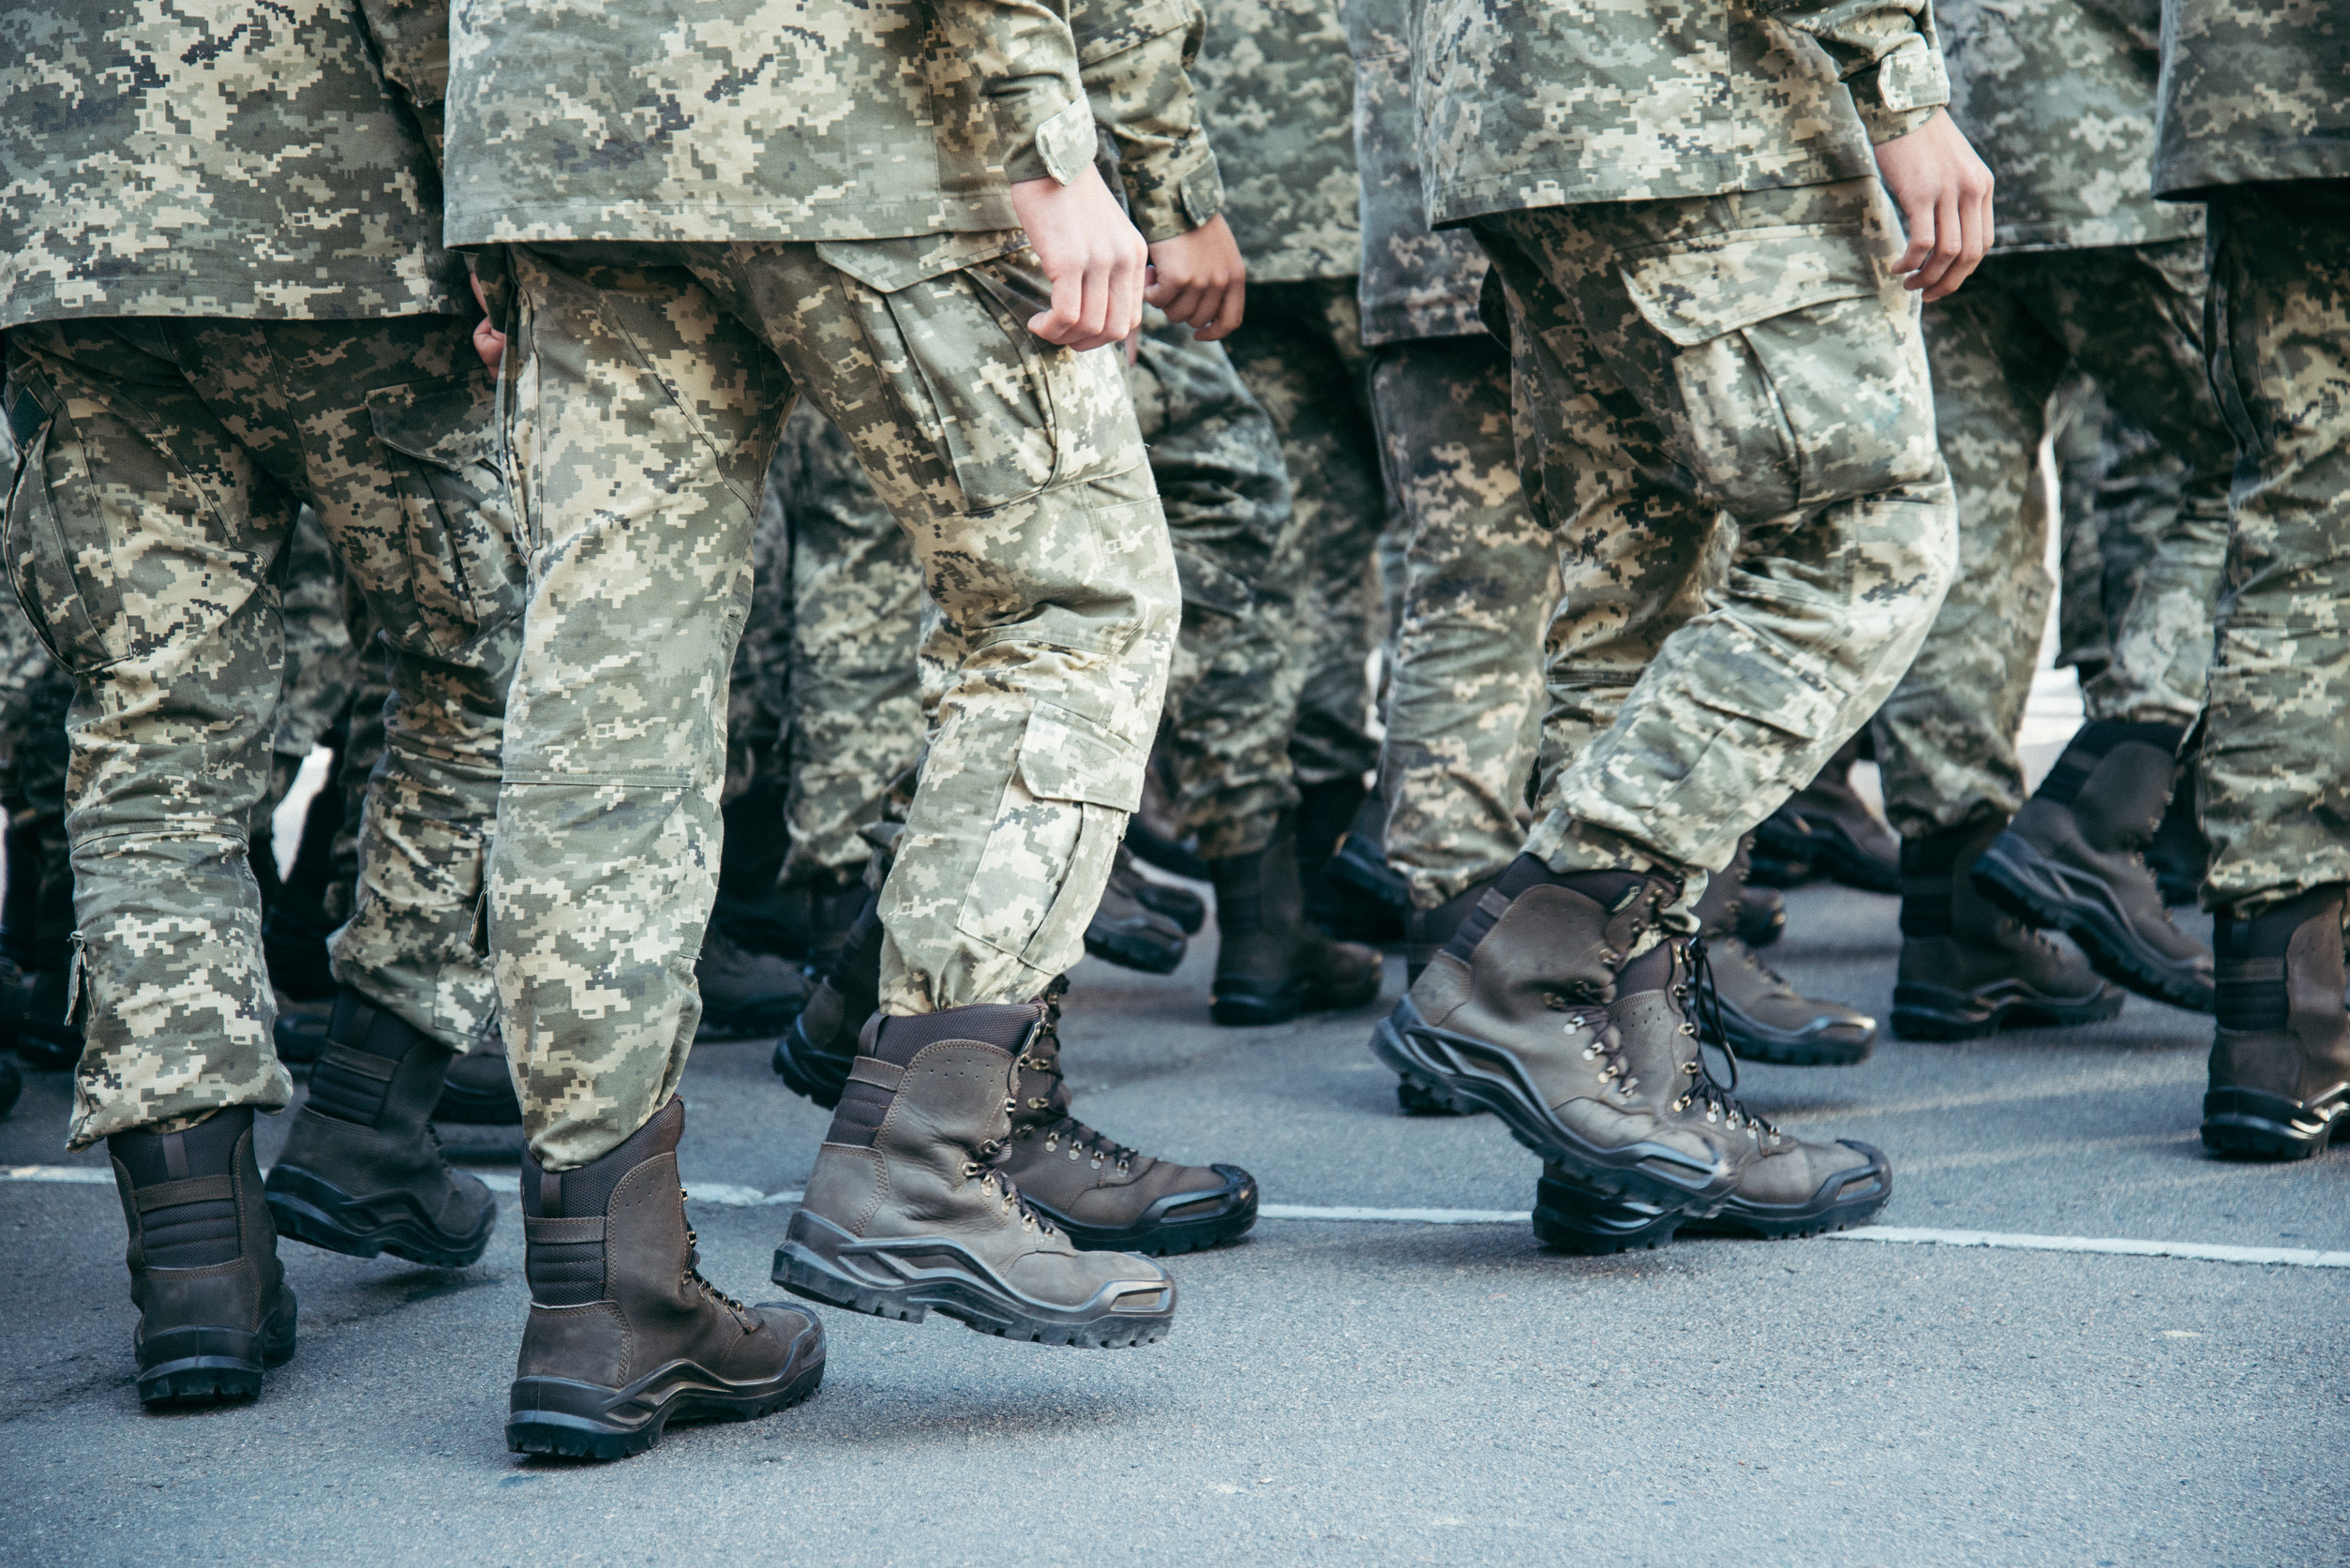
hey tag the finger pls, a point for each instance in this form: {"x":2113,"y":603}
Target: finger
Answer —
{"x":1921,"y":223}
{"x":1061,"y":323}
{"x":1950,"y":240}
{"x":1125,"y":290}
{"x":1133,"y":349}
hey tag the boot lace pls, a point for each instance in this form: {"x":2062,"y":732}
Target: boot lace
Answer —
{"x":1603,"y":1047}
{"x":999,"y":1186}
{"x":690,"y":1279}
{"x":1702,"y":1019}
{"x":1085,"y":1143}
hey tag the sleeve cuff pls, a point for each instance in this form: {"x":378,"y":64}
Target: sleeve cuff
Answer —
{"x":1062,"y":150}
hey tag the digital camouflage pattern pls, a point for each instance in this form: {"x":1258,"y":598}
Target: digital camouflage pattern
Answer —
{"x":1134,"y":61}
{"x":1529,"y":105}
{"x":1017,"y":472}
{"x":2272,"y":792}
{"x":173,"y":633}
{"x":1466,"y":700}
{"x":2130,"y":318}
{"x":2252,"y":91}
{"x":748,"y":120}
{"x":1754,"y":354}
{"x":209,"y":158}
{"x":2058,"y":98}
{"x":1416,"y":283}
{"x":322,"y":665}
{"x":2117,"y":492}
{"x":1276,"y":90}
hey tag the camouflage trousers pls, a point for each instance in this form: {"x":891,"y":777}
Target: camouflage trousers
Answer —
{"x":164,"y":461}
{"x":2119,"y":494}
{"x":1284,"y":702}
{"x":1751,"y":354}
{"x":2274,"y":765}
{"x":648,"y":386}
{"x":1465,"y":699}
{"x":2130,"y":318}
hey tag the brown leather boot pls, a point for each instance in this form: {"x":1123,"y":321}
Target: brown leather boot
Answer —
{"x":214,"y":1307}
{"x":1130,"y":933}
{"x":1271,"y":963}
{"x":1425,"y":934}
{"x":1781,"y":1185}
{"x":1762,"y":1018}
{"x":2074,"y":861}
{"x":1512,"y":1016}
{"x":1827,"y":827}
{"x":625,"y":1336}
{"x":1110,"y":1198}
{"x":2281,"y":1055}
{"x":906,"y":1212}
{"x":362,"y":1173}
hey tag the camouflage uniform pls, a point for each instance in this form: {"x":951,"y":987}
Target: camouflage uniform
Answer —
{"x":1480,"y":572}
{"x":2091,"y":270}
{"x":667,"y":306}
{"x":205,"y":320}
{"x":1695,"y":332}
{"x":2119,"y":494}
{"x":2255,"y":119}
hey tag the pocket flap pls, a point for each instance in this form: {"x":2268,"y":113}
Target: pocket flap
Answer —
{"x":1696,"y":292}
{"x":889,"y":265}
{"x":448,"y":423}
{"x":1066,"y":757}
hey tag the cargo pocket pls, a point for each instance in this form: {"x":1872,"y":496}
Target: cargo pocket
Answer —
{"x":1057,"y":828}
{"x":457,"y":563}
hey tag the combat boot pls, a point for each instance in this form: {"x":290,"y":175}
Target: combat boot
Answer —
{"x":1425,"y":934}
{"x":812,"y":1057}
{"x":1107,"y":1197}
{"x":2281,"y":1055}
{"x":1513,"y":1016}
{"x":625,"y":1336}
{"x":906,"y":1212}
{"x":1780,"y":1186}
{"x":214,"y":1310}
{"x":1968,"y":969}
{"x":479,"y":1090}
{"x":361,"y":1172}
{"x":1761,"y":1017}
{"x":1182,"y":906}
{"x":747,"y":994}
{"x":2074,"y":859}
{"x":1840,"y":838}
{"x":1127,"y":933}
{"x":1271,"y":964}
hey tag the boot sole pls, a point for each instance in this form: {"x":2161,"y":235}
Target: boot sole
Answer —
{"x":1573,"y":1217}
{"x":311,"y":1209}
{"x":2039,"y":892}
{"x":1222,"y":1215}
{"x":2246,"y":1124}
{"x":210,"y":1366}
{"x":1133,"y":952}
{"x":909,"y":1277}
{"x":1247,"y":1010}
{"x":1415,"y":1096}
{"x":1467,"y":1069}
{"x":1933,"y":1012}
{"x":583,"y":1421}
{"x":1844,"y":1199}
{"x":1752,"y":1041}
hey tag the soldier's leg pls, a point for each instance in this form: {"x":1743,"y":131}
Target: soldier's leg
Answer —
{"x":2077,"y":421}
{"x":1658,"y":389}
{"x":2075,"y":857}
{"x":36,"y":924}
{"x":2272,"y":791}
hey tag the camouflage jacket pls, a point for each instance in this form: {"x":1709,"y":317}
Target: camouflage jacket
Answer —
{"x":1135,"y":62}
{"x":211,"y":157}
{"x":1416,"y":282}
{"x":755,"y":119}
{"x":2252,"y":91}
{"x":2057,"y":96}
{"x":1277,"y":88}
{"x":1545,"y":103}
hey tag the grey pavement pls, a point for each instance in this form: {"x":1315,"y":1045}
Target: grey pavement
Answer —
{"x":1332,"y":1392}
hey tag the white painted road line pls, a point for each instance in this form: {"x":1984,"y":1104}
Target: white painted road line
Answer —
{"x":726,"y":1195}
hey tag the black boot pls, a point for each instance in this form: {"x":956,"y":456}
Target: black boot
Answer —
{"x":2074,"y":860}
{"x":214,"y":1307}
{"x":2281,"y":1055}
{"x":362,"y":1173}
{"x":1839,"y":837}
{"x":815,"y":1055}
{"x":1350,"y":896}
{"x":479,"y":1090}
{"x":1127,"y":931}
{"x":1759,"y":1016}
{"x":1270,"y":963}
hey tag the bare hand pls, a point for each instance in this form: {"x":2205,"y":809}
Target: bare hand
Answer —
{"x":488,"y":341}
{"x":1944,"y":193}
{"x":1199,"y":279}
{"x":1092,"y":256}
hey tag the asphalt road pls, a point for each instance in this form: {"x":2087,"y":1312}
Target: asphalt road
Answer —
{"x":1332,"y":1391}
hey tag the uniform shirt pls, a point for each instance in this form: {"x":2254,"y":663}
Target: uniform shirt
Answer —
{"x":1545,"y":103}
{"x":1416,"y":282}
{"x":210,"y":158}
{"x":2252,"y":91}
{"x":2057,"y":96}
{"x":1277,"y":88}
{"x":756,"y":119}
{"x":1136,"y":61}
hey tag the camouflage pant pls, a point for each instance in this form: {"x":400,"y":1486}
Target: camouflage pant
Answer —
{"x":1465,"y":702}
{"x":649,"y":383}
{"x":2273,"y":775}
{"x":1755,"y":354}
{"x":144,"y":534}
{"x":2130,"y":318}
{"x":2119,"y":494}
{"x":1284,"y":701}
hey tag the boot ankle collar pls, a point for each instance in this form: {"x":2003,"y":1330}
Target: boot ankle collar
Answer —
{"x":1005,"y":1025}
